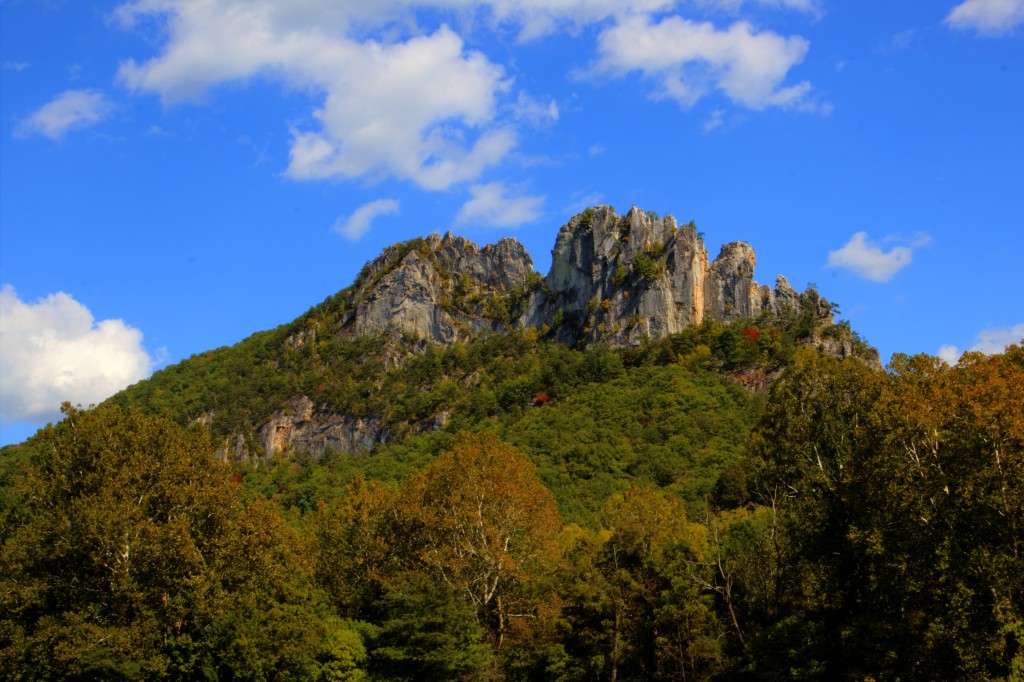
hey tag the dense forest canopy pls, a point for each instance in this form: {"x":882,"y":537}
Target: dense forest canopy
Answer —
{"x":581,"y":515}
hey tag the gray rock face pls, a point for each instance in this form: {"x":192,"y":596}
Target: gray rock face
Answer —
{"x":617,"y":280}
{"x":730,"y":291}
{"x":301,"y":429}
{"x":433,"y":291}
{"x":613,"y":279}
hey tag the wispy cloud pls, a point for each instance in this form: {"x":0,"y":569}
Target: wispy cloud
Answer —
{"x":15,"y":66}
{"x":357,"y":224}
{"x":491,"y":204}
{"x":534,"y":111}
{"x":71,"y":110}
{"x":989,"y":341}
{"x":987,"y":17}
{"x":808,"y":6}
{"x":581,"y":202}
{"x":713,"y":121}
{"x":868,"y":260}
{"x":54,"y":350}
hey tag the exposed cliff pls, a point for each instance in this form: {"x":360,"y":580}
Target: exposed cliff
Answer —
{"x":614,"y":280}
{"x":620,"y":279}
{"x":440,"y":289}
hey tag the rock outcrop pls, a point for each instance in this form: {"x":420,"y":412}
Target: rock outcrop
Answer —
{"x":613,"y":279}
{"x":301,"y":429}
{"x":617,"y":280}
{"x":438,"y":289}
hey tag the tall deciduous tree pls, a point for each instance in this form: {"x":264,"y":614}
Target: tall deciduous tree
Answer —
{"x":904,"y":495}
{"x":131,"y":556}
{"x":481,"y":521}
{"x":633,"y":609}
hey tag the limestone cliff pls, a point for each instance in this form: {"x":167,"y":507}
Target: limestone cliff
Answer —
{"x":440,"y":289}
{"x":617,"y":280}
{"x":613,"y":280}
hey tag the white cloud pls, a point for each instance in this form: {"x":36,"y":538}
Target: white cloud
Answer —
{"x":53,"y":350}
{"x":537,"y":18}
{"x":989,"y":341}
{"x":416,"y":104}
{"x":715,"y":120}
{"x":808,"y":6}
{"x":422,"y":109}
{"x":689,"y":59}
{"x":15,"y":66}
{"x":949,"y":354}
{"x":356,"y":225}
{"x":987,"y":17}
{"x":533,"y":110}
{"x":996,"y":340}
{"x":71,"y":110}
{"x":866,"y":259}
{"x":491,"y":205}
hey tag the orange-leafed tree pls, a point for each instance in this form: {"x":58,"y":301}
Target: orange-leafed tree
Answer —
{"x":483,"y":522}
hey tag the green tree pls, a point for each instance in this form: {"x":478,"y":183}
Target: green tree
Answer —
{"x":632,"y":609}
{"x":428,"y":631}
{"x":131,"y":555}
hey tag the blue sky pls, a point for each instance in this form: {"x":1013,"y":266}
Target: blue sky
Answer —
{"x":178,"y":174}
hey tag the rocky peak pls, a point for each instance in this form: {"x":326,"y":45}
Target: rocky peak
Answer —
{"x":613,"y":279}
{"x":437,"y":289}
{"x":730,"y":290}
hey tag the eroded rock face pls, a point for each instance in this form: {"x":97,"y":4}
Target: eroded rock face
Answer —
{"x":730,"y":291}
{"x":300,"y":428}
{"x":433,"y":292}
{"x":613,"y":279}
{"x":617,"y":280}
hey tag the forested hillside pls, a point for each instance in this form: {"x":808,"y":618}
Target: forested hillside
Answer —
{"x":580,"y":515}
{"x":564,"y":478}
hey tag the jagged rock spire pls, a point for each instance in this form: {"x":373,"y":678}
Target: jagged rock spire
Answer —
{"x":613,"y":279}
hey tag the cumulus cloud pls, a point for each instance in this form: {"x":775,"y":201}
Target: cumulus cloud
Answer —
{"x":491,"y":204}
{"x":689,"y":59}
{"x":987,"y":17}
{"x":54,"y":350}
{"x":421,"y":109}
{"x":357,"y":224}
{"x":949,"y":354}
{"x":989,"y":341}
{"x":71,"y":110}
{"x":417,"y":104}
{"x":867,"y":259}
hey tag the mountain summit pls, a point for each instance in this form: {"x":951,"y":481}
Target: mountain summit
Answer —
{"x":614,"y":280}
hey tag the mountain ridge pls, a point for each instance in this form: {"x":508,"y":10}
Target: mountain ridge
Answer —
{"x":317,"y":384}
{"x":615,"y":280}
